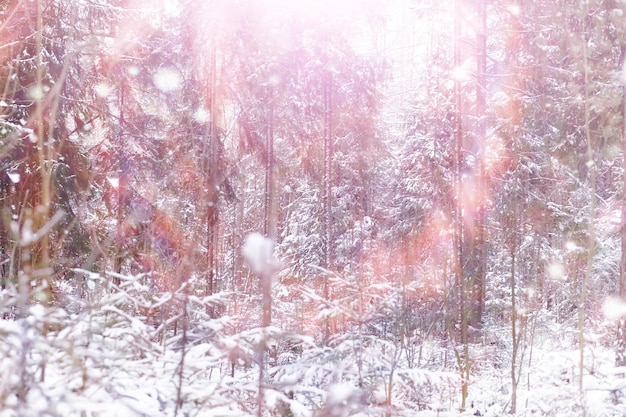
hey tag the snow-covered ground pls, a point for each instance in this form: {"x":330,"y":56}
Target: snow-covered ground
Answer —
{"x":129,"y":353}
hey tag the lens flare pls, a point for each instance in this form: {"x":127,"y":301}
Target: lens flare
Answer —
{"x":614,"y":308}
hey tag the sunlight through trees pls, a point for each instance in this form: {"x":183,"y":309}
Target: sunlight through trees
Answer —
{"x":312,"y":208}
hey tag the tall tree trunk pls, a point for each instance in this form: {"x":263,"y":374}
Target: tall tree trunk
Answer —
{"x":591,"y":220}
{"x":459,"y":229}
{"x":270,"y":216}
{"x":620,"y":352}
{"x":122,"y":191}
{"x":212,"y":159}
{"x":515,"y":337}
{"x":328,"y":187}
{"x":479,"y":280}
{"x":270,"y":198}
{"x":458,"y":158}
{"x":41,"y":260}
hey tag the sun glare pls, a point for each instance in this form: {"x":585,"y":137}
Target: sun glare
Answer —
{"x":514,"y":9}
{"x":302,"y":7}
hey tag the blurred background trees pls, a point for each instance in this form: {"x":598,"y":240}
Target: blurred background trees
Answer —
{"x":441,"y":182}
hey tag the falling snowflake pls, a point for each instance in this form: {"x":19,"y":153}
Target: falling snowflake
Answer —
{"x":614,"y":308}
{"x":102,"y":90}
{"x":201,"y":115}
{"x":167,"y":80}
{"x":258,"y":251}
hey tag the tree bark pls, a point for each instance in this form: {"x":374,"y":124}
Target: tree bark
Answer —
{"x":620,"y":354}
{"x":270,"y":198}
{"x":479,"y":282}
{"x":590,"y":222}
{"x":459,"y":230}
{"x":122,"y":191}
{"x":212,"y":213}
{"x":328,"y":186}
{"x":515,"y":339}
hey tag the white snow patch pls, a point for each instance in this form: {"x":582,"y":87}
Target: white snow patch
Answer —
{"x":38,"y":312}
{"x":339,"y":393}
{"x":102,"y":90}
{"x":171,"y":8}
{"x":27,"y":235}
{"x":114,"y":181}
{"x":14,"y":177}
{"x":167,"y":80}
{"x":432,"y":413}
{"x":500,"y":98}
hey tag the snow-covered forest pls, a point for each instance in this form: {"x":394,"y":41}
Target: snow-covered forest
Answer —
{"x":312,"y":208}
